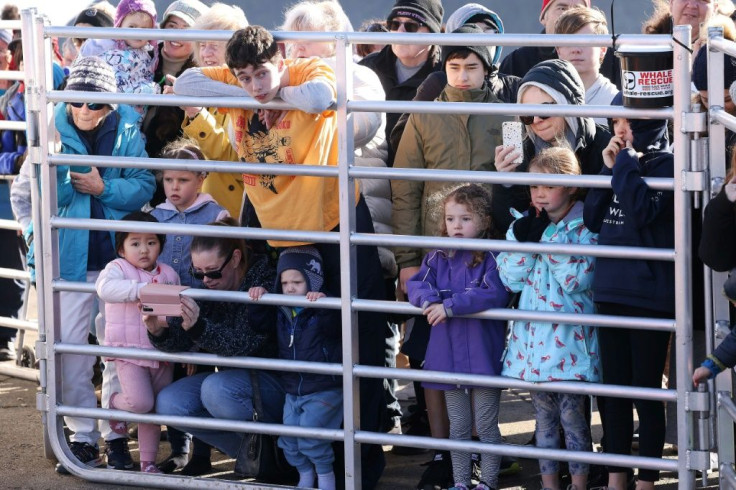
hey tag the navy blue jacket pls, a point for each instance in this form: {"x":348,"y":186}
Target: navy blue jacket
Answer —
{"x":632,"y":214}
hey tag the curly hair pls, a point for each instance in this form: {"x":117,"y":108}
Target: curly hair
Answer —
{"x":251,"y":46}
{"x":478,"y":201}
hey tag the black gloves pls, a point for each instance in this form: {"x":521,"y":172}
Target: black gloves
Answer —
{"x":530,"y":227}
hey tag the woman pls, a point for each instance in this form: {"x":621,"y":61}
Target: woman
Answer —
{"x":549,"y":82}
{"x":210,"y":128}
{"x":224,"y":329}
{"x":98,"y":193}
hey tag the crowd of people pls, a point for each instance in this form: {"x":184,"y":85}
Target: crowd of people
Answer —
{"x":446,"y":284}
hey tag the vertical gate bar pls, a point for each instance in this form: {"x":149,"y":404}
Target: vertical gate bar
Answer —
{"x":683,"y":273}
{"x":348,"y":267}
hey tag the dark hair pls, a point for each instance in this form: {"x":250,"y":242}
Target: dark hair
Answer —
{"x":478,"y":201}
{"x":251,"y":46}
{"x":460,"y":54}
{"x":223,"y":245}
{"x":120,"y":236}
{"x":10,"y":12}
{"x":16,"y":49}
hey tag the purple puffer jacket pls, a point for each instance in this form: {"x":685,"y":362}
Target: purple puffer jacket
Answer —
{"x":461,"y":345}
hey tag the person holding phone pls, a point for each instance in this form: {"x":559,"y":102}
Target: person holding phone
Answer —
{"x":225,"y":329}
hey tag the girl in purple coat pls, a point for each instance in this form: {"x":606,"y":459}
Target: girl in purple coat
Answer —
{"x":460,"y":282}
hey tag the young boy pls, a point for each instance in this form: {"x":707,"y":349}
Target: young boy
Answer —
{"x":438,"y":141}
{"x":587,"y":60}
{"x":307,"y":334}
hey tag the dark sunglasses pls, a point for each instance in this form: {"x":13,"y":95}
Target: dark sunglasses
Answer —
{"x":217,"y":274}
{"x":92,"y":107}
{"x":529,"y":120}
{"x":409,"y":26}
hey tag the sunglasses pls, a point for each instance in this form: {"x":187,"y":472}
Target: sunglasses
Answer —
{"x":529,"y":120}
{"x":216,"y":274}
{"x":92,"y":107}
{"x":409,"y":26}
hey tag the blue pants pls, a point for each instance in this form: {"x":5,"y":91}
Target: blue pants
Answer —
{"x":224,"y":395}
{"x":322,"y":409}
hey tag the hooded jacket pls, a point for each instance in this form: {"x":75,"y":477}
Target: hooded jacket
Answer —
{"x":440,"y":141}
{"x":543,"y":351}
{"x":588,"y":141}
{"x":632,"y":214}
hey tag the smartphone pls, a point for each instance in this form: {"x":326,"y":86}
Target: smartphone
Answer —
{"x":161,"y":299}
{"x":511,"y":131}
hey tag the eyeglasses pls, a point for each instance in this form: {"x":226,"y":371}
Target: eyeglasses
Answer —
{"x":409,"y":26}
{"x":217,"y":274}
{"x":529,"y":120}
{"x":92,"y":107}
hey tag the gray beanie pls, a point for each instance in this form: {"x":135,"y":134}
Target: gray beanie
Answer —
{"x":91,"y":74}
{"x":306,"y":260}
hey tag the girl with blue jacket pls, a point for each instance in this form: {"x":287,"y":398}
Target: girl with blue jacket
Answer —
{"x":544,"y":351}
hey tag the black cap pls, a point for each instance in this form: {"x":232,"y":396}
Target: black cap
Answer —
{"x":481,"y":51}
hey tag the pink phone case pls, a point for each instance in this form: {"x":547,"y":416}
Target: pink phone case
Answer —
{"x":161,"y":299}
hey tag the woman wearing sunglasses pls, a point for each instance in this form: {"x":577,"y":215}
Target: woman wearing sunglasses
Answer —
{"x":100,"y":193}
{"x":221,"y":328}
{"x":549,"y":82}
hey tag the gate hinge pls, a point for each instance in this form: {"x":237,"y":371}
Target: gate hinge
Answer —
{"x":698,"y":460}
{"x":41,"y":350}
{"x":697,"y":401}
{"x":42,"y":402}
{"x":694,"y":122}
{"x":32,"y":99}
{"x":694,"y":181}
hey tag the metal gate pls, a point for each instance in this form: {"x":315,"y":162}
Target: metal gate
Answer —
{"x":36,"y":35}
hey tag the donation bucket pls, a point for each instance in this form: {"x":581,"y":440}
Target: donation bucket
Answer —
{"x":646,"y":76}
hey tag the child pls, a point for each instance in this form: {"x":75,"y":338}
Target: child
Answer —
{"x":587,"y":60}
{"x":632,"y":214}
{"x":307,"y":334}
{"x":543,"y":351}
{"x":460,"y":282}
{"x":119,"y":285}
{"x":185,"y":203}
{"x":724,"y":357}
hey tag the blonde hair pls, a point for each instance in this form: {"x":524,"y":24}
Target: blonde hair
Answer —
{"x":557,"y":160}
{"x":219,"y":17}
{"x":576,"y":18}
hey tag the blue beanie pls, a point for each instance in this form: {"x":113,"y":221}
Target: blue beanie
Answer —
{"x":305,"y":259}
{"x":700,"y":70}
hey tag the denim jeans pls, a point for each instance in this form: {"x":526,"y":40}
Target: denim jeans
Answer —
{"x":224,"y":395}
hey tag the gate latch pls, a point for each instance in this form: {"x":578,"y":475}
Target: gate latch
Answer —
{"x":693,"y":181}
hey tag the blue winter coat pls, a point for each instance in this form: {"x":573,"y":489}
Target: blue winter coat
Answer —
{"x":632,"y":214}
{"x":14,"y":143}
{"x":126,"y":190}
{"x":542,"y":351}
{"x":461,"y":345}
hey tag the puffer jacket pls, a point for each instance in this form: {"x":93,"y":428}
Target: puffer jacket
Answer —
{"x":119,"y":285}
{"x":126,"y":189}
{"x":543,"y":351}
{"x":440,"y":141}
{"x":632,"y":214}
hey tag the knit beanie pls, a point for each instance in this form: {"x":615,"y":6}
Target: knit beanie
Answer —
{"x":428,"y":12}
{"x":6,"y":36}
{"x":481,"y":51}
{"x":94,"y":17}
{"x":470,"y":13}
{"x":126,"y":7}
{"x":306,"y":260}
{"x":547,"y":3}
{"x":187,"y":10}
{"x":91,"y":74}
{"x":700,"y":70}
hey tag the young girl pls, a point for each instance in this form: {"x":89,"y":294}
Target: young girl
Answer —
{"x":118,"y":286}
{"x":543,"y":351}
{"x":459,"y":282}
{"x":184,"y":204}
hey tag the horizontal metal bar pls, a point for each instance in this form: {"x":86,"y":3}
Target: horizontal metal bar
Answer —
{"x":549,"y":110}
{"x":721,"y":44}
{"x":13,"y":125}
{"x":25,"y":325}
{"x":12,"y":75}
{"x":575,"y":387}
{"x":20,"y":275}
{"x":14,"y":25}
{"x":10,"y":224}
{"x":505,"y":39}
{"x":723,"y":117}
{"x":29,"y":374}
{"x":528,"y":452}
{"x":196,"y":230}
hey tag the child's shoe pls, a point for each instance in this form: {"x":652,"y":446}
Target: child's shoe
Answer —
{"x":438,"y":472}
{"x":118,"y":455}
{"x":198,"y":465}
{"x":85,"y":452}
{"x":150,"y":467}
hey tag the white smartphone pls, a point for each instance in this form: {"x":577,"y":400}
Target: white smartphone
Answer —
{"x":511,"y":131}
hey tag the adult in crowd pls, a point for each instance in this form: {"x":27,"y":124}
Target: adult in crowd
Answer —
{"x":98,"y":193}
{"x":6,"y":57}
{"x":211,"y":128}
{"x":550,"y":82}
{"x":221,"y":328}
{"x":521,"y":60}
{"x":372,"y":25}
{"x":670,"y":13}
{"x":403,"y":67}
{"x":98,"y":15}
{"x":369,"y":142}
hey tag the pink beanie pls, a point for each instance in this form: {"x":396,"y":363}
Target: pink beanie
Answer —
{"x":126,"y":7}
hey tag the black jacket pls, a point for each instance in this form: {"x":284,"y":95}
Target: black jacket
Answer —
{"x":632,"y":214}
{"x":384,"y":64}
{"x":522,"y":59}
{"x":718,"y":239}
